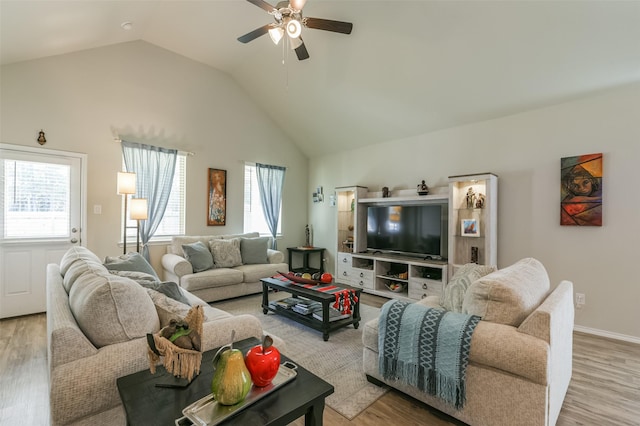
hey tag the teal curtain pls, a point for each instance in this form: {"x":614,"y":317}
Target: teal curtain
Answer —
{"x":270,"y":185}
{"x":154,"y":168}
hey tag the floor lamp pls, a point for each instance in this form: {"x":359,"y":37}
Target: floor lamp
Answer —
{"x":126,"y":187}
{"x":139,"y":211}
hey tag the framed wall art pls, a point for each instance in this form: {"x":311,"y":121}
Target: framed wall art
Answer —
{"x":469,"y":228}
{"x":217,"y":199}
{"x":581,"y":190}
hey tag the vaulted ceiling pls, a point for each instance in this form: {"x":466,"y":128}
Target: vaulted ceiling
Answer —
{"x":408,"y":68}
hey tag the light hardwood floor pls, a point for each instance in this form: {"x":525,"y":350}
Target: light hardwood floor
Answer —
{"x":605,"y":388}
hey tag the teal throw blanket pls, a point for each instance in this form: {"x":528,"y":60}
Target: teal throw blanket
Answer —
{"x":426,"y":348}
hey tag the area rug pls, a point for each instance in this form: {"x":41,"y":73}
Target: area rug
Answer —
{"x":338,"y":361}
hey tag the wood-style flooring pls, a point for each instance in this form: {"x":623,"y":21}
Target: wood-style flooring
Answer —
{"x":604,"y":390}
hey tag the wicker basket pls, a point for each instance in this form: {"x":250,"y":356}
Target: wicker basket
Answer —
{"x":182,"y":363}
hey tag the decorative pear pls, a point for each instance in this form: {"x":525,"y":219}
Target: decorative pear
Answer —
{"x":231,"y":381}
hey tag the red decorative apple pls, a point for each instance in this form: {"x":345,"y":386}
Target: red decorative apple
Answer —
{"x":263,"y":362}
{"x":326,"y":278}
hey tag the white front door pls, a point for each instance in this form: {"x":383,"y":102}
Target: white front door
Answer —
{"x":41,"y":216}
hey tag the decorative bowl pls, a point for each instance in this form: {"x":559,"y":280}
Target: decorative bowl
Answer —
{"x":396,"y":287}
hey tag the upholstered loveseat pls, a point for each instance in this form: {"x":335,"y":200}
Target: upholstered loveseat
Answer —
{"x":97,"y":323}
{"x":521,"y":351}
{"x":238,"y":263}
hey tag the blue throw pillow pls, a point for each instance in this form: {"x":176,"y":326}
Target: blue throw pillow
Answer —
{"x":198,"y":255}
{"x":254,"y":250}
{"x":169,"y":289}
{"x":130,"y":262}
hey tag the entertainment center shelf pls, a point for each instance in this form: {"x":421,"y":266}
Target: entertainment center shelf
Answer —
{"x":438,"y":194}
{"x":378,"y":274}
{"x":372,"y":255}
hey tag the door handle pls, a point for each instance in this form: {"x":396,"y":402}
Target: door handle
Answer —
{"x":74,"y":230}
{"x":74,"y":240}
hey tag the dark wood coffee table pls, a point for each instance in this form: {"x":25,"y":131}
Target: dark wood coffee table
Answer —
{"x":325,"y":326}
{"x":146,"y":404}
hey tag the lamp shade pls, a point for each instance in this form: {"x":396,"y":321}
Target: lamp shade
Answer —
{"x":139,"y":210}
{"x":126,"y":183}
{"x":276,"y":34}
{"x":297,"y":4}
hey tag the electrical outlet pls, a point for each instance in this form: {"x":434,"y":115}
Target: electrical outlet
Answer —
{"x":580,"y":300}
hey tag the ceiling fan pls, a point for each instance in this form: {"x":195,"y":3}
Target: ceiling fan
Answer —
{"x":289,"y":20}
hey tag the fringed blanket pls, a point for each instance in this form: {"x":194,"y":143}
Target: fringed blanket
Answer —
{"x":426,"y":348}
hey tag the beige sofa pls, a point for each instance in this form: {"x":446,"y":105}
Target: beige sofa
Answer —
{"x":521,"y":351}
{"x":219,"y":283}
{"x":96,"y":327}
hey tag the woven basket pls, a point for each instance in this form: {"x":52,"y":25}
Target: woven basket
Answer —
{"x":182,"y":363}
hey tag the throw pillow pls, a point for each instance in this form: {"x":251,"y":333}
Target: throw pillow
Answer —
{"x":254,"y":250}
{"x":76,"y":253}
{"x":454,"y":291}
{"x":198,"y":255}
{"x":168,"y":288}
{"x":226,"y":253}
{"x":139,"y":277}
{"x":168,"y":308}
{"x":79,"y":268}
{"x":509,"y":295}
{"x":111,"y":309}
{"x":129,"y":262}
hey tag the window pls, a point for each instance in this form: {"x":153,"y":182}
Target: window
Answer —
{"x":173,"y":221}
{"x":36,"y":199}
{"x":254,"y":220}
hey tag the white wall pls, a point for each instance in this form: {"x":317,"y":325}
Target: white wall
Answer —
{"x":146,"y":94}
{"x":524,"y":151}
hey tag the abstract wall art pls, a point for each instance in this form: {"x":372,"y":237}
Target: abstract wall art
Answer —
{"x":581,"y":190}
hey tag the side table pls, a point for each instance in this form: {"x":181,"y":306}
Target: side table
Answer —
{"x":306,"y":252}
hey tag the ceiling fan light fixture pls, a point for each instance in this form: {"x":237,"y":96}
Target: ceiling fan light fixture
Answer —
{"x":276,"y":34}
{"x":297,"y":4}
{"x":294,"y":28}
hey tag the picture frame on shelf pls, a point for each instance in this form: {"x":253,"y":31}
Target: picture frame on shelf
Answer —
{"x":469,"y":228}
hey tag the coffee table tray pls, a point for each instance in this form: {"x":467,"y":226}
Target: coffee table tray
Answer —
{"x":208,"y":412}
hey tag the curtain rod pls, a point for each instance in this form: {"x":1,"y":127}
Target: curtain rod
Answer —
{"x":189,"y":153}
{"x":253,"y":163}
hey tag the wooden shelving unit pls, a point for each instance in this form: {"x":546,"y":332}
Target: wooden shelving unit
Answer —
{"x":351,"y":228}
{"x":482,"y":249}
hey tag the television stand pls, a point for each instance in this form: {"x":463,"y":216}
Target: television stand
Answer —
{"x":397,"y":276}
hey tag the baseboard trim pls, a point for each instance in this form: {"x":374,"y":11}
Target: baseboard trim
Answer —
{"x":607,"y":334}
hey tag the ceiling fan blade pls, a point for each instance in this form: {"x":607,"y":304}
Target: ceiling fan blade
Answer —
{"x":254,"y":34}
{"x":301,"y":52}
{"x":328,"y":25}
{"x":263,"y":5}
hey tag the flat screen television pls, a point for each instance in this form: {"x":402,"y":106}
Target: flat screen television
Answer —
{"x":419,"y":230}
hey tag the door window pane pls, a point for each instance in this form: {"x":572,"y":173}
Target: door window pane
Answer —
{"x":36,"y":199}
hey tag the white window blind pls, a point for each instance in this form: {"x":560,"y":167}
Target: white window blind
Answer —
{"x":36,"y":199}
{"x":173,"y":221}
{"x":254,"y":220}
